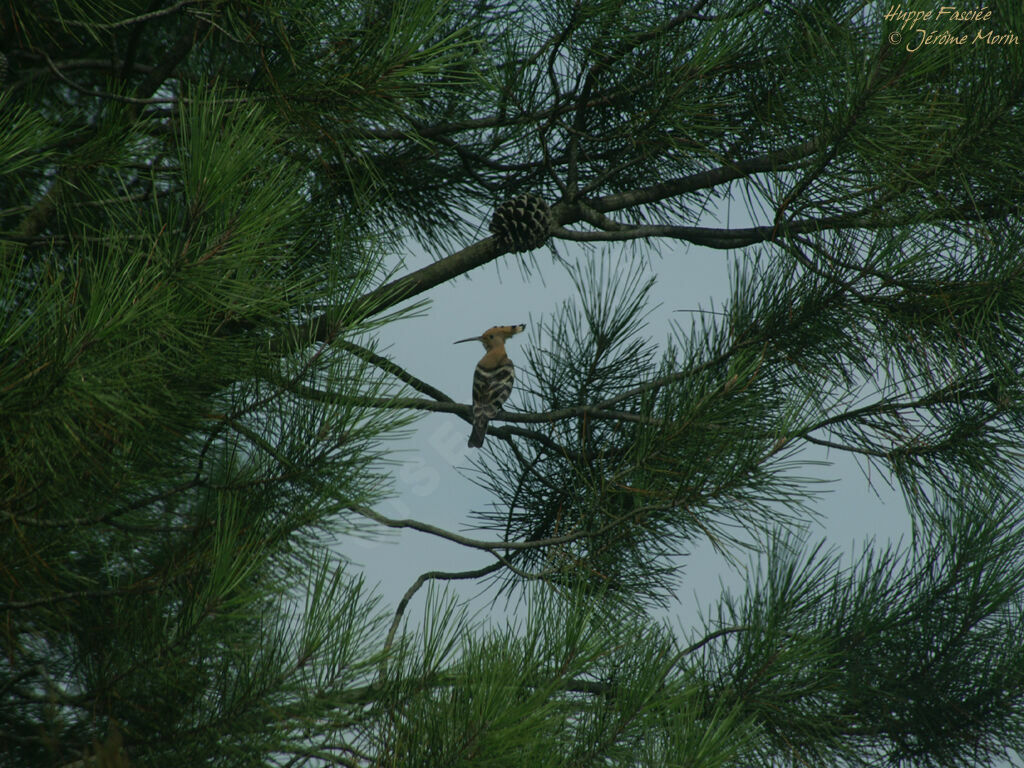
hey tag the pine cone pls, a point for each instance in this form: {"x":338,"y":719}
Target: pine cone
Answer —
{"x":3,"y":67}
{"x":522,"y":223}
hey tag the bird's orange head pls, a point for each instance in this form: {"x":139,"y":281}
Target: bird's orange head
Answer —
{"x":496,"y":336}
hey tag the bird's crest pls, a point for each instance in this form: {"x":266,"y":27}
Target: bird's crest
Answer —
{"x":492,"y":337}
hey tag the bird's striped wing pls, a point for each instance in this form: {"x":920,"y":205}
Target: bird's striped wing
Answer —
{"x":491,"y":388}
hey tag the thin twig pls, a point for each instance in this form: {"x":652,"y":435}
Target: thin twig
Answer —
{"x":716,"y":634}
{"x":102,"y":94}
{"x":423,"y":578}
{"x":487,"y":546}
{"x":134,"y":19}
{"x":393,"y":368}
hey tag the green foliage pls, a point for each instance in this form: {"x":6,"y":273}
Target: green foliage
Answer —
{"x":862,"y":663}
{"x":197,"y":201}
{"x":571,"y":686}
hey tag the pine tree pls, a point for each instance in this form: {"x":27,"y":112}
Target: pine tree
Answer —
{"x":196,"y":203}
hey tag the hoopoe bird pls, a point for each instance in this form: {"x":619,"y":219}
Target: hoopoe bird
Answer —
{"x":492,"y":380}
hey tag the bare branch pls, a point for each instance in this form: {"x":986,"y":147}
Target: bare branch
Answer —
{"x":394,"y":369}
{"x":714,"y":635}
{"x":846,"y":448}
{"x":487,"y":546}
{"x":707,"y":179}
{"x":172,"y":59}
{"x":711,"y":237}
{"x":423,"y":578}
{"x":325,"y":327}
{"x":465,"y":410}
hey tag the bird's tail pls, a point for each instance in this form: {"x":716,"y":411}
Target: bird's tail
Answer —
{"x":476,"y":437}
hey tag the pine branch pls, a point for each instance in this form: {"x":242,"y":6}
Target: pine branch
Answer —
{"x":103,"y":94}
{"x":768,"y":162}
{"x":174,"y":56}
{"x":151,"y":379}
{"x":36,"y":220}
{"x":465,"y":410}
{"x":488,"y":546}
{"x":94,"y":594}
{"x":423,"y":579}
{"x":394,"y":369}
{"x":133,"y":20}
{"x":722,"y":632}
{"x":324,"y":328}
{"x":725,"y":239}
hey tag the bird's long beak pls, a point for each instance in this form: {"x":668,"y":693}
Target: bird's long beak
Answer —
{"x":471,"y":338}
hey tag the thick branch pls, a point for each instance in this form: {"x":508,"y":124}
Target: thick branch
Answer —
{"x":325,"y":327}
{"x":706,"y":179}
{"x":171,"y":59}
{"x":711,"y":237}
